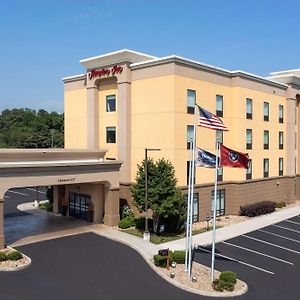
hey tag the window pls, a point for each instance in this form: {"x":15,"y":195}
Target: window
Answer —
{"x":195,"y":206}
{"x":280,"y":140}
{"x":249,"y":139}
{"x":188,"y":173}
{"x":280,"y":113}
{"x":111,"y":103}
{"x":266,"y":167}
{"x":191,"y":100}
{"x":280,"y":166}
{"x":219,"y":106}
{"x":220,"y":174}
{"x":219,"y":136}
{"x":249,"y":108}
{"x":111,"y":135}
{"x":220,"y":198}
{"x":249,"y":170}
{"x":266,"y":111}
{"x":266,"y":139}
{"x":190,"y":134}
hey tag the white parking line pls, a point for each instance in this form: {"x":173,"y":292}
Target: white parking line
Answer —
{"x":259,"y":253}
{"x":9,"y":191}
{"x":293,"y":222}
{"x":274,"y":245}
{"x":281,"y":236}
{"x":35,"y":190}
{"x":297,"y":231}
{"x":238,"y":261}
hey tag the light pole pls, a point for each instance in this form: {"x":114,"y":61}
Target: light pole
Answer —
{"x":147,"y":233}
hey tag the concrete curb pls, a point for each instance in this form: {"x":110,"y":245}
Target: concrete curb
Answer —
{"x":173,"y":282}
{"x":13,"y":269}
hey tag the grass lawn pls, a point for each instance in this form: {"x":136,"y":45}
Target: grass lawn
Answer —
{"x":164,"y":237}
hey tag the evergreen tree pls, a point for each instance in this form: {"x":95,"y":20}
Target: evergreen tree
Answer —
{"x":164,"y":198}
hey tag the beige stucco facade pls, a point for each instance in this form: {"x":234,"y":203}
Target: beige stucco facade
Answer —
{"x":83,"y":172}
{"x":151,"y":112}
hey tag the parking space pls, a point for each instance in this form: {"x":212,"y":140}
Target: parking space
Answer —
{"x":267,"y":259}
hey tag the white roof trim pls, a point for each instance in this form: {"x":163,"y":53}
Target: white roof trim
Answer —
{"x":285,"y":72}
{"x":114,"y":53}
{"x":73,"y":77}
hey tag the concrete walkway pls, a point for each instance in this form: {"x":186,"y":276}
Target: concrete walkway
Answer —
{"x":147,"y":249}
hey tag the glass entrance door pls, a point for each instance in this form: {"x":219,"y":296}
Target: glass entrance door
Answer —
{"x":78,"y":205}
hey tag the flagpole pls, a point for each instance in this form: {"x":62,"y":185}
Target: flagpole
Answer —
{"x":187,"y":235}
{"x":192,"y":196}
{"x":214,"y":214}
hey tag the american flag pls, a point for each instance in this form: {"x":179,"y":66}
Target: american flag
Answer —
{"x":209,"y":120}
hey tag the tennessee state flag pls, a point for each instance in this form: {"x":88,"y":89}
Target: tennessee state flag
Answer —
{"x":232,"y":158}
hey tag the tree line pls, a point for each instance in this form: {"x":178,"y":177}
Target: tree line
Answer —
{"x":29,"y":128}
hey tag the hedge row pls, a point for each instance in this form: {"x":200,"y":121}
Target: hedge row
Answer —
{"x":257,"y":209}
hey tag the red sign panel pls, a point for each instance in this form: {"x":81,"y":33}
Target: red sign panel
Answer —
{"x":105,"y":72}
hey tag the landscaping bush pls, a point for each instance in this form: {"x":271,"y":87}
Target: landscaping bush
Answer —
{"x":257,"y":209}
{"x":280,"y":204}
{"x":14,"y":255}
{"x":228,"y":276}
{"x":178,"y":256}
{"x":3,"y":256}
{"x":126,"y":223}
{"x":139,"y":223}
{"x":47,"y":206}
{"x":160,"y":261}
{"x":220,"y":285}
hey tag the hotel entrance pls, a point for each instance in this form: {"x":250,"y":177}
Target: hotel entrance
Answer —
{"x":80,"y":206}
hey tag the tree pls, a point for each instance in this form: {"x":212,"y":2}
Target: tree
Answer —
{"x":164,"y":198}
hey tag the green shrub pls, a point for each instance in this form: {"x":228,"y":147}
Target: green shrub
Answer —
{"x":139,"y":223}
{"x":280,"y":204}
{"x":3,"y":256}
{"x":228,"y":276}
{"x":14,"y":255}
{"x":220,"y":285}
{"x":178,"y":256}
{"x":47,"y":206}
{"x":257,"y":209}
{"x":126,"y":223}
{"x":160,"y":261}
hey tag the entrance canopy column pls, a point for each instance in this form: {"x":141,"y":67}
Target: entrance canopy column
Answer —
{"x":112,"y":216}
{"x":2,"y":243}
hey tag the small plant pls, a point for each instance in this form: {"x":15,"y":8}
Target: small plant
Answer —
{"x":280,"y":204}
{"x":257,"y":209}
{"x":126,"y":223}
{"x":127,"y":212}
{"x":47,"y":206}
{"x":178,"y":256}
{"x":3,"y":256}
{"x":226,"y":281}
{"x":160,"y":261}
{"x":14,"y":255}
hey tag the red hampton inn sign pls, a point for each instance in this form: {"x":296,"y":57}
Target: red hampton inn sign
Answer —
{"x":105,"y":72}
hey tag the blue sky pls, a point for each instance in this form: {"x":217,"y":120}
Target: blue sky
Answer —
{"x":42,"y":41}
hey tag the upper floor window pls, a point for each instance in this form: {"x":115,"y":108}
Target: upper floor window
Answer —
{"x":111,"y":103}
{"x":266,"y":139}
{"x":266,"y":167}
{"x":280,"y":113}
{"x":220,"y":174}
{"x":280,"y":140}
{"x":111,"y":135}
{"x":280,"y":173}
{"x":249,"y":170}
{"x":249,"y":139}
{"x":190,"y":134}
{"x":188,"y":171}
{"x":219,"y":105}
{"x":249,"y":108}
{"x":266,"y":111}
{"x":191,"y":100}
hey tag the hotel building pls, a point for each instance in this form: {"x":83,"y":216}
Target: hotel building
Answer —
{"x":128,"y":101}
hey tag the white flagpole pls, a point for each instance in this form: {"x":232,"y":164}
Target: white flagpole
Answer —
{"x":214,"y":216}
{"x":192,"y":196}
{"x":187,"y":235}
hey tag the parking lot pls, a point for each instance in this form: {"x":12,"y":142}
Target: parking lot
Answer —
{"x":268,"y":260}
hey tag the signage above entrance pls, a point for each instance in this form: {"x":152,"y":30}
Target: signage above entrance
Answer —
{"x":105,"y":72}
